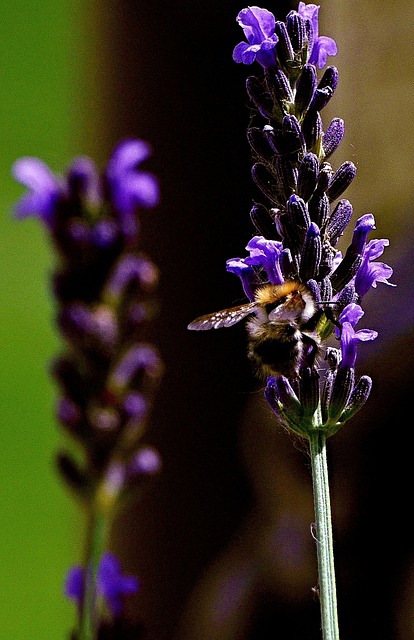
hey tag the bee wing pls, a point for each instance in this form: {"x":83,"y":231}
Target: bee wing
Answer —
{"x":224,"y":318}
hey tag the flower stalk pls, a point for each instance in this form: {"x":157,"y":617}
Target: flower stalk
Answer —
{"x":304,"y":294}
{"x":323,"y":536}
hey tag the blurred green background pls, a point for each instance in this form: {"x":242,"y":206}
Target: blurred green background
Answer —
{"x":41,"y":50}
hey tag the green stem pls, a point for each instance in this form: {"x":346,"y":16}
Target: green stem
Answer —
{"x":324,"y":541}
{"x":95,"y":545}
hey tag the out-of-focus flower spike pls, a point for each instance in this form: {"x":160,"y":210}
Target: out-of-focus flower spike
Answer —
{"x":308,"y":176}
{"x":131,"y":188}
{"x":339,"y":221}
{"x":305,"y":89}
{"x":146,"y":462}
{"x":332,"y":137}
{"x":341,"y":180}
{"x":311,"y":254}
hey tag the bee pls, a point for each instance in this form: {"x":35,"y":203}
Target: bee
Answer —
{"x":282,"y":335}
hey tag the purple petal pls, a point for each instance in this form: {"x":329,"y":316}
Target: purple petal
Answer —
{"x":126,"y":155}
{"x":142,"y":189}
{"x":140,"y":356}
{"x":44,"y":189}
{"x":246,"y":274}
{"x":239,"y":53}
{"x":349,"y":340}
{"x":371,"y":272}
{"x":146,"y":462}
{"x":266,"y":253}
{"x":352,"y":313}
{"x":258,"y":24}
{"x":323,"y":47}
{"x":310,"y":12}
{"x":74,"y":583}
{"x":112,"y":585}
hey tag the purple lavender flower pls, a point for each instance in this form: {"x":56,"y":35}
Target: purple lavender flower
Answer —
{"x":321,"y":46}
{"x":302,"y":225}
{"x":264,"y":259}
{"x":129,"y":188}
{"x":371,"y":272}
{"x":45,"y":189}
{"x":111,"y":583}
{"x":259,"y":28}
{"x":349,"y":317}
{"x":108,"y":373}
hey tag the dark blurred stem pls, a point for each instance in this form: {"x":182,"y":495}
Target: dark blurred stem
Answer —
{"x":323,"y":536}
{"x":95,"y":544}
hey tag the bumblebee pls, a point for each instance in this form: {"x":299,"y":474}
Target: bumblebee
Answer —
{"x":282,"y":336}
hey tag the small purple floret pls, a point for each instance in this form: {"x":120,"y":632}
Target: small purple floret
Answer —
{"x":371,"y":272}
{"x":349,"y":337}
{"x":129,"y":187}
{"x":322,"y":46}
{"x":259,"y":29}
{"x":112,"y":585}
{"x":44,"y":189}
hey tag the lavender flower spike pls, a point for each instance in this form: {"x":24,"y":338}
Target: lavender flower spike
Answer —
{"x":107,"y":372}
{"x":322,"y":46}
{"x":259,"y":28}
